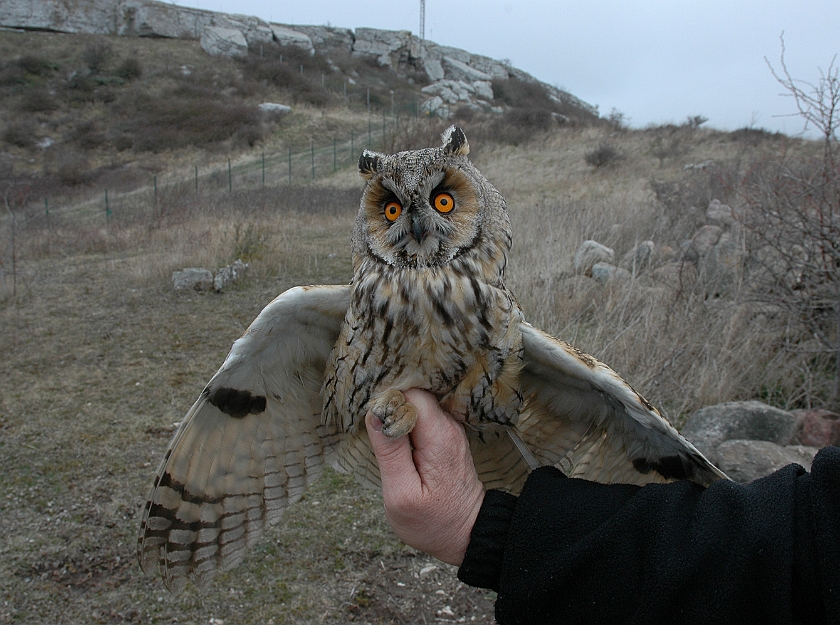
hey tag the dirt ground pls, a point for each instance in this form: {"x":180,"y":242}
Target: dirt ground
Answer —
{"x":97,"y":369}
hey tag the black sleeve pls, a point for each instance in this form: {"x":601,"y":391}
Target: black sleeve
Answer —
{"x":573,"y":551}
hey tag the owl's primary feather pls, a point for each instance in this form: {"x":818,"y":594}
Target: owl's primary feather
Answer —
{"x":427,"y":308}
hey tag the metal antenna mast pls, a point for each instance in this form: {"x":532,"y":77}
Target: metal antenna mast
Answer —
{"x":422,"y":19}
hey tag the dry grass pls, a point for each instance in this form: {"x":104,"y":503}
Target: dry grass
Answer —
{"x":102,"y":358}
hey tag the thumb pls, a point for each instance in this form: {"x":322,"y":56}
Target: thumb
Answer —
{"x":396,"y":463}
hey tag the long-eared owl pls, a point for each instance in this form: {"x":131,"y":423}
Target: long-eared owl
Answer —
{"x":427,"y":308}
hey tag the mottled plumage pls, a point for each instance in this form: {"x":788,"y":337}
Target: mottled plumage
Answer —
{"x":427,"y":308}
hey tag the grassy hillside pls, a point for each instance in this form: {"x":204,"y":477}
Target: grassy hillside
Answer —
{"x":102,"y":358}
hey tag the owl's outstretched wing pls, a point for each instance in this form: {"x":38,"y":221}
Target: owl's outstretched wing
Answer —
{"x":251,"y":443}
{"x":583,"y":418}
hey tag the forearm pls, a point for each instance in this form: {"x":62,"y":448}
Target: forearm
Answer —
{"x":593,"y":553}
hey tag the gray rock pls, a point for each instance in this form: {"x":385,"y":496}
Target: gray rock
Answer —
{"x":381,"y":44}
{"x":436,"y":106}
{"x":483,"y":89}
{"x":703,"y":241}
{"x":720,"y":214}
{"x":604,"y":272}
{"x":708,"y":427}
{"x":217,"y":41}
{"x":748,"y":460}
{"x":192,"y":279}
{"x":722,"y":267}
{"x":230,"y":274}
{"x":326,"y":36}
{"x":589,"y":253}
{"x":458,"y":70}
{"x":275,"y":108}
{"x":286,"y":36}
{"x":433,"y":68}
{"x":639,"y":258}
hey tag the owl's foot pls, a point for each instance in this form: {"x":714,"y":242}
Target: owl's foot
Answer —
{"x":397,"y":416}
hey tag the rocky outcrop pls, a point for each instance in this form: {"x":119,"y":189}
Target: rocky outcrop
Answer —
{"x":457,"y":76}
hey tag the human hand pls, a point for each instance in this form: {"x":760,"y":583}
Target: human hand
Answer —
{"x":430,"y":489}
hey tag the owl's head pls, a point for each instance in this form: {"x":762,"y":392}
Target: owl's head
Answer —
{"x":422,"y":208}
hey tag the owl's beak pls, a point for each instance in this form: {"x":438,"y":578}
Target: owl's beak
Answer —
{"x":417,"y":230}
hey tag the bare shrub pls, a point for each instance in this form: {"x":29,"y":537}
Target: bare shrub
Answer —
{"x":97,"y":55}
{"x":38,"y":101}
{"x":36,"y":65}
{"x":129,"y":68}
{"x":792,"y":215}
{"x":20,"y":132}
{"x":602,"y":156}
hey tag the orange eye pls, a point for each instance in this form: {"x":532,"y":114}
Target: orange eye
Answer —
{"x":392,"y":210}
{"x":443,"y":202}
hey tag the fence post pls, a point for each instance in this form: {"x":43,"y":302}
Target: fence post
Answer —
{"x":263,"y":168}
{"x":230,"y":178}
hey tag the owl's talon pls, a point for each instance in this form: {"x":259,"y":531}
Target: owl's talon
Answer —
{"x":397,"y":416}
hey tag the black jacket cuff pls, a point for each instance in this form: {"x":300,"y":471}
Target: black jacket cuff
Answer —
{"x":483,"y":560}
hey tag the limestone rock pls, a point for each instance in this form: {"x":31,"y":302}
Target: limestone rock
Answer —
{"x":436,"y":106}
{"x":381,"y":44}
{"x":434,"y":69}
{"x":192,"y":279}
{"x":720,"y":214}
{"x":639,"y":258}
{"x":274,"y":108}
{"x":589,"y":253}
{"x":458,"y":70}
{"x":230,"y":274}
{"x":288,"y":37}
{"x":747,"y":460}
{"x":708,"y":427}
{"x":605,"y":272}
{"x":326,"y":36}
{"x":703,"y":241}
{"x":217,"y":41}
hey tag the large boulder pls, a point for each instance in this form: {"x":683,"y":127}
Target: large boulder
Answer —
{"x":708,"y":427}
{"x":589,"y":253}
{"x":286,"y":36}
{"x":458,"y":70}
{"x":748,"y":460}
{"x":217,"y":41}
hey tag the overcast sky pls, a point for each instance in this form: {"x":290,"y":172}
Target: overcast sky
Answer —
{"x":655,"y":61}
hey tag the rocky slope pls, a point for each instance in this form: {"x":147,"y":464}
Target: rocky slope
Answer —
{"x":457,"y":77}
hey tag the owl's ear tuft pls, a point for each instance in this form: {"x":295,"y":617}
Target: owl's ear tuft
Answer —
{"x":455,"y":142}
{"x":369,"y":164}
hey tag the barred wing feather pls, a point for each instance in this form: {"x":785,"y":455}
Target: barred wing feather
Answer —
{"x":251,"y":443}
{"x":583,"y":418}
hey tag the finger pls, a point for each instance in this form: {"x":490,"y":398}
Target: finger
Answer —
{"x":434,"y":428}
{"x":396,"y":463}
